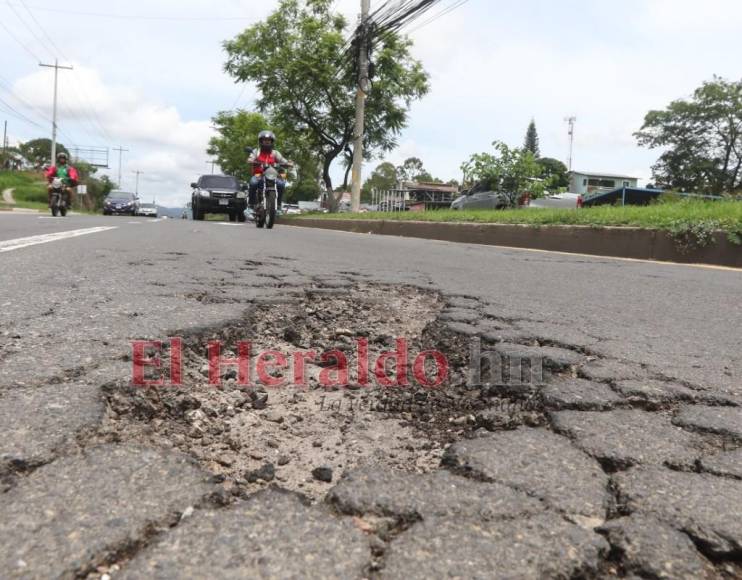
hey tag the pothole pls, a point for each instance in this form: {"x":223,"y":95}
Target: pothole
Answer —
{"x":301,"y":437}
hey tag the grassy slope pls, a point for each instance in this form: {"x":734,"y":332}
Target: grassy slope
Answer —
{"x":29,"y":189}
{"x":722,"y":215}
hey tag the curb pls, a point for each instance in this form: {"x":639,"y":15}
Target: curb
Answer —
{"x":632,"y":243}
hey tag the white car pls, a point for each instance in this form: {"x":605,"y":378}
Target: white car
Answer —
{"x":147,"y":210}
{"x":558,"y":201}
{"x":290,"y":209}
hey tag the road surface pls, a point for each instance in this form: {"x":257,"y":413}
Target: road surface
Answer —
{"x":624,"y":460}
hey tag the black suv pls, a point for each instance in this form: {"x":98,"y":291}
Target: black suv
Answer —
{"x":218,"y":194}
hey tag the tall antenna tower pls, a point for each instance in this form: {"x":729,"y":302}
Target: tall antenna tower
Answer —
{"x":571,"y":121}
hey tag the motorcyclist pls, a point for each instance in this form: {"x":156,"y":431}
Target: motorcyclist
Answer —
{"x":68,"y":174}
{"x":266,"y":154}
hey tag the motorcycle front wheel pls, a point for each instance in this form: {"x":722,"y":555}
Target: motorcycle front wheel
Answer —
{"x":270,"y":218}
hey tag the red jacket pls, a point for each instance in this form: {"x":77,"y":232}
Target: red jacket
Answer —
{"x":270,"y":158}
{"x":72,"y":174}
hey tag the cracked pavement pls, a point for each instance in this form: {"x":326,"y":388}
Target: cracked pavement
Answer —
{"x":623,"y":461}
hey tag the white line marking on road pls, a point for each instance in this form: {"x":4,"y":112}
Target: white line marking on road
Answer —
{"x":226,"y":224}
{"x":18,"y":243}
{"x":135,"y":223}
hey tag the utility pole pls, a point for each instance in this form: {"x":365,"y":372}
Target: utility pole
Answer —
{"x":363,"y":86}
{"x":571,"y":121}
{"x":5,"y":137}
{"x":212,"y":165}
{"x":121,"y":151}
{"x":56,"y":68}
{"x":136,"y":190}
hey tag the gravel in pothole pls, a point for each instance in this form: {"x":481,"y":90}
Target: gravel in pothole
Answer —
{"x":303,"y":438}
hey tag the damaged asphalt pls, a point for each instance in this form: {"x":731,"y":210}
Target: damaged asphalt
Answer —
{"x":621,"y":460}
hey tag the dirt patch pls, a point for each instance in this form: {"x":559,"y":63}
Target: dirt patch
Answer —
{"x":304,"y":437}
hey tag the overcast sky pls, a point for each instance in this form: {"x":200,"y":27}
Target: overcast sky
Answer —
{"x":152,"y":84}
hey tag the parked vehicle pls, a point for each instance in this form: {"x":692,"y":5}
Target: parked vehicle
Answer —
{"x":481,"y":200}
{"x":147,"y":210}
{"x":218,"y":194}
{"x":558,"y":200}
{"x":121,"y":203}
{"x":290,"y":209}
{"x":59,"y":201}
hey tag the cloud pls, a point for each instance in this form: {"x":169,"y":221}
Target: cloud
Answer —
{"x":167,"y":148}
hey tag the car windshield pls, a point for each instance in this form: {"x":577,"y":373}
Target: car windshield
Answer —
{"x":219,"y":182}
{"x":119,"y":199}
{"x":147,"y":205}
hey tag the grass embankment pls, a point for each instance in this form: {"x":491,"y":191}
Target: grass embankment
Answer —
{"x":685,"y":218}
{"x":29,"y":190}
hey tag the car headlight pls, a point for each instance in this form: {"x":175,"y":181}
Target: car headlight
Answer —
{"x":204,"y":193}
{"x":240,"y":195}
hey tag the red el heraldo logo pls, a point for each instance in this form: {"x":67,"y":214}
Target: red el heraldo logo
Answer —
{"x":153,"y":367}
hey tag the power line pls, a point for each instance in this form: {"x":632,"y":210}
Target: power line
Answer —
{"x":88,"y":110}
{"x":16,"y":113}
{"x":23,"y":46}
{"x":38,"y":39}
{"x":113,"y":16}
{"x":439,"y":15}
{"x":49,"y":38}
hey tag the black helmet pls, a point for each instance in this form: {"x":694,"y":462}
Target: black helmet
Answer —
{"x":266,"y":135}
{"x":61,"y":155}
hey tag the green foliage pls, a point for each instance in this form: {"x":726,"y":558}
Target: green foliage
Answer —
{"x":510,"y":171}
{"x":554,"y":173}
{"x":383,"y":178}
{"x":29,"y":187}
{"x":691,"y":222}
{"x":236,"y":130}
{"x":295,"y":58}
{"x":38,"y":151}
{"x":702,"y":137}
{"x":412,"y":170}
{"x":531,"y":142}
{"x":239,"y":129}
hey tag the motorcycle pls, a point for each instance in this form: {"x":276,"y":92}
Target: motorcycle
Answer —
{"x":59,"y":198}
{"x":266,"y":204}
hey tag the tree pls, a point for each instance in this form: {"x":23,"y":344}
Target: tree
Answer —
{"x":510,"y":171}
{"x":702,"y":137}
{"x":383,"y":178}
{"x":554,"y":173}
{"x":38,"y":152}
{"x":239,"y":129}
{"x":410,"y":169}
{"x":295,"y":57}
{"x":236,"y":130}
{"x":531,"y":143}
{"x":413,"y":170}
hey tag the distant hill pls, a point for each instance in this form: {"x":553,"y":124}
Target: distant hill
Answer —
{"x":171,"y":212}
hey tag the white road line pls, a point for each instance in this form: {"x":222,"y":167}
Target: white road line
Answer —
{"x":226,"y":224}
{"x":17,"y":244}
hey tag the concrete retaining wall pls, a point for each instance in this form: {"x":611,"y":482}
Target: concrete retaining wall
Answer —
{"x":615,"y":242}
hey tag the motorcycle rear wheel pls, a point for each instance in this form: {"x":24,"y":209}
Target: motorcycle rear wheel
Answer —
{"x":63,"y":211}
{"x":55,"y":210}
